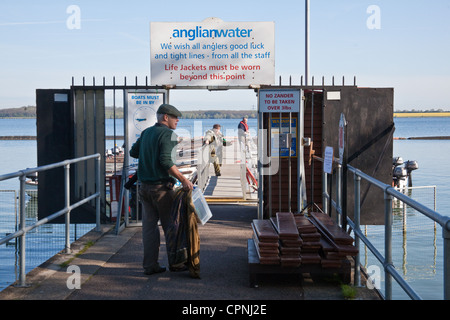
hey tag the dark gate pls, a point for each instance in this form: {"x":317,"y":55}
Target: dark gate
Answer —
{"x":70,"y":124}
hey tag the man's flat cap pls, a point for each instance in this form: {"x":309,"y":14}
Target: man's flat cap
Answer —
{"x":169,"y":109}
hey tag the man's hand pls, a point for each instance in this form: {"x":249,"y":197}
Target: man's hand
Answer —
{"x":187,"y":185}
{"x":174,"y":172}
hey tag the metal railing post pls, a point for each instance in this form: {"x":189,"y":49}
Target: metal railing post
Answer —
{"x":22,"y":225}
{"x":388,"y":244}
{"x":357,"y":211}
{"x":446,"y":240}
{"x":243,"y":171}
{"x":97,"y":190}
{"x":67,"y":205}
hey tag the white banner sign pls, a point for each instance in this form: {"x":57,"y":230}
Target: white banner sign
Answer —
{"x":212,"y":52}
{"x":279,"y":100}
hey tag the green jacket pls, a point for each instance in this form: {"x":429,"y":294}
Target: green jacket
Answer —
{"x":154,"y":150}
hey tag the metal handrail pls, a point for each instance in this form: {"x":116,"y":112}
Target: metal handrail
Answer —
{"x":243,"y":167}
{"x":23,"y":229}
{"x":389,"y":193}
{"x":203,"y":165}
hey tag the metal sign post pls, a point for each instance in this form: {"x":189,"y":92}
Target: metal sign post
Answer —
{"x":343,"y":162}
{"x":342,"y":124}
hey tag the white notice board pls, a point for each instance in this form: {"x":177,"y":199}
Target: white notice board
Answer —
{"x":279,"y":101}
{"x":212,"y":53}
{"x":141,"y":114}
{"x":328,"y":160}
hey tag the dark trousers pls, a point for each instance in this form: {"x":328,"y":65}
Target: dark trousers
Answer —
{"x":157,"y":203}
{"x":216,"y":164}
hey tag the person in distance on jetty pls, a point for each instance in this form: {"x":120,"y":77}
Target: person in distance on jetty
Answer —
{"x":214,"y":138}
{"x":243,"y":132}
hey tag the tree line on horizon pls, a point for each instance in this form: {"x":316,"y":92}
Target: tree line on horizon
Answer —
{"x":30,"y":112}
{"x":420,"y":111}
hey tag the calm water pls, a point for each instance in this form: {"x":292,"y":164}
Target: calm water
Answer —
{"x":432,"y":156}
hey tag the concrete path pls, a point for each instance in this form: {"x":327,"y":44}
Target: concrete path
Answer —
{"x":111,"y":270}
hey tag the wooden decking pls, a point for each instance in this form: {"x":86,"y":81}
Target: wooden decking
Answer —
{"x":227,"y":187}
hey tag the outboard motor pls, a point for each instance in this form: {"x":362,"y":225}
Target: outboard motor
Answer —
{"x":399,"y":177}
{"x":410,"y":166}
{"x":33,"y":176}
{"x":397,"y":161}
{"x":397,"y":172}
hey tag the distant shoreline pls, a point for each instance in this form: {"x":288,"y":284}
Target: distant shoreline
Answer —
{"x":420,"y":114}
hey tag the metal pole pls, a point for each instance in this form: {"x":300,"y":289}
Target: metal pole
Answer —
{"x":307,"y":14}
{"x":357,"y":275}
{"x":300,"y":155}
{"x":388,"y":244}
{"x":338,"y":193}
{"x":67,"y":205}
{"x":261,"y":144}
{"x":280,"y":166}
{"x":344,"y":185}
{"x":269,"y":139}
{"x":22,"y":250}
{"x":97,"y":190}
{"x":126,"y":159}
{"x":289,"y":160}
{"x":312,"y":142}
{"x":325,"y":192}
{"x":446,"y":237}
{"x":114,"y":123}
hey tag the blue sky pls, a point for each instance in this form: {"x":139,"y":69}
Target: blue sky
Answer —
{"x":409,"y":52}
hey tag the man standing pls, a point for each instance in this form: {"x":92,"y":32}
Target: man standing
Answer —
{"x":243,"y":132}
{"x":216,"y":141}
{"x":156,"y":171}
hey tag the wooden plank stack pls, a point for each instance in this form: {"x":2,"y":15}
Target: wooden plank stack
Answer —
{"x":311,"y":240}
{"x":290,"y":242}
{"x":295,"y":240}
{"x":336,"y":244}
{"x":266,"y":242}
